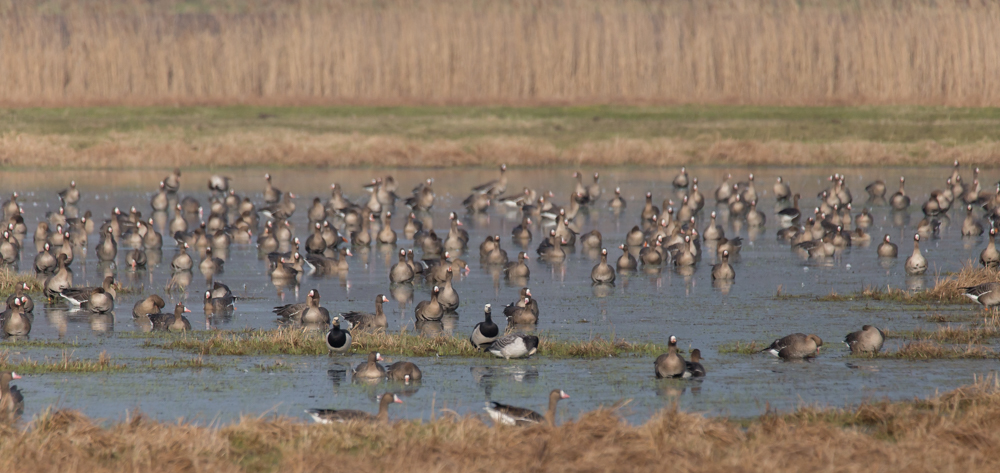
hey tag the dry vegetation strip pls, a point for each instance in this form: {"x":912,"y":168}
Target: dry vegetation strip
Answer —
{"x":432,"y":51}
{"x":290,"y":341}
{"x":958,"y":431}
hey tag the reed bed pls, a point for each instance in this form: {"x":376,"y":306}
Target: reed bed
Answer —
{"x":454,"y":51}
{"x":288,"y":341}
{"x":956,"y":431}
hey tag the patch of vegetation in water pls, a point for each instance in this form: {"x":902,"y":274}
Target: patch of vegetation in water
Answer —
{"x":742,"y":348}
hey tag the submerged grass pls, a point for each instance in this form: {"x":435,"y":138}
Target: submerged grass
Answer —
{"x":284,"y":341}
{"x":930,"y":350}
{"x":956,"y":431}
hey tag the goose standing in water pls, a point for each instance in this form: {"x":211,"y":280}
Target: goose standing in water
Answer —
{"x":329,"y":416}
{"x":404,"y":372}
{"x":626,"y":262}
{"x":867,"y":340}
{"x":670,"y":364}
{"x":887,"y":249}
{"x":368,"y":321}
{"x":485,"y":332}
{"x":175,"y":322}
{"x":990,"y":257}
{"x":370,"y":369}
{"x":916,"y":264}
{"x":781,"y":190}
{"x":11,"y":399}
{"x":510,"y":415}
{"x":899,"y":200}
{"x":795,"y":346}
{"x":603,"y":273}
{"x":723,"y":270}
{"x":693,"y":366}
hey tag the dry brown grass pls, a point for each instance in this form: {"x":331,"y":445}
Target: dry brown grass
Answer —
{"x":958,"y":431}
{"x":454,"y":51}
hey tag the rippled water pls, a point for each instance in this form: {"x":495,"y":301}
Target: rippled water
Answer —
{"x":641,"y":307}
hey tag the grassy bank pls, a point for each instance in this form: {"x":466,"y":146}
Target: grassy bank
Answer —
{"x":68,"y":363}
{"x":957,"y":431}
{"x":144,"y":137}
{"x":297,"y":342}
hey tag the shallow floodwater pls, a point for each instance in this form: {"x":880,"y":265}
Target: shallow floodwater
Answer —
{"x":642,"y":307}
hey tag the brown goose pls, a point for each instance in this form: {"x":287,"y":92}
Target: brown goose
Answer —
{"x":271,"y":194}
{"x":386,"y":236}
{"x":448,"y":296}
{"x":971,"y":226}
{"x":367,"y":321}
{"x":100,"y":302}
{"x":693,"y":366}
{"x":603,"y":273}
{"x":670,"y":364}
{"x":723,"y":270}
{"x":175,"y":322}
{"x":987,"y":294}
{"x":916,"y":264}
{"x":401,"y":272}
{"x":517,"y":269}
{"x":107,"y":249}
{"x":370,"y":369}
{"x":430,"y":310}
{"x":403,"y":371}
{"x":19,"y":293}
{"x":45,"y":262}
{"x":308,"y":313}
{"x":617,"y":203}
{"x":16,"y":323}
{"x":219,"y":305}
{"x":887,"y":249}
{"x":899,"y":200}
{"x":79,"y":296}
{"x":11,"y":400}
{"x":990,"y":257}
{"x":626,"y":262}
{"x":795,"y":346}
{"x":521,"y":315}
{"x":503,"y":414}
{"x":329,"y":416}
{"x":781,"y":190}
{"x":150,"y":305}
{"x":867,"y":340}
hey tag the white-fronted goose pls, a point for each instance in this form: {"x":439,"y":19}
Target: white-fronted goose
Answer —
{"x":497,"y":186}
{"x":107,"y":249}
{"x":594,"y":190}
{"x":524,"y":314}
{"x":626,"y":262}
{"x":182,"y":261}
{"x":899,"y":200}
{"x":916,"y":264}
{"x":45,"y":262}
{"x":16,"y":323}
{"x":429,"y":310}
{"x":11,"y":400}
{"x":876,"y":190}
{"x":498,"y":255}
{"x":210,"y":264}
{"x":173,"y":181}
{"x":401,"y":272}
{"x":990,"y":257}
{"x":78,"y":296}
{"x":971,"y":226}
{"x":485,"y":332}
{"x":448,"y":296}
{"x":887,"y":249}
{"x":693,"y":366}
{"x":71,"y":195}
{"x":781,"y":190}
{"x":329,"y":416}
{"x":175,"y":322}
{"x":603,"y":273}
{"x":755,"y":218}
{"x":403,"y":371}
{"x":517,"y":269}
{"x":591,"y":240}
{"x":617,"y":203}
{"x":386,"y":235}
{"x":649,"y":211}
{"x":723,"y":270}
{"x":295,"y":312}
{"x":514,"y":345}
{"x":271,"y":194}
{"x":219,"y":305}
{"x":368,"y":321}
{"x":867,"y":340}
{"x":670,"y":364}
{"x":503,"y":414}
{"x":370,"y":369}
{"x":987,"y":294}
{"x":338,"y":340}
{"x":100,"y":301}
{"x":19,"y":293}
{"x":795,"y":346}
{"x":58,"y":281}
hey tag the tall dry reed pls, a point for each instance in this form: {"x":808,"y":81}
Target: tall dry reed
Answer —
{"x":531,"y":51}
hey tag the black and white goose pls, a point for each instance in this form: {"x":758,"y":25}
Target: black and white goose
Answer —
{"x":515,"y":345}
{"x":337,"y":340}
{"x":485,"y":332}
{"x":510,"y":415}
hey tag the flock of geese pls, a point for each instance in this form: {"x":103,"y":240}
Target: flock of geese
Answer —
{"x":668,"y":235}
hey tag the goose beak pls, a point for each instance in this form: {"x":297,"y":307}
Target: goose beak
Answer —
{"x":14,"y":375}
{"x":187,"y":310}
